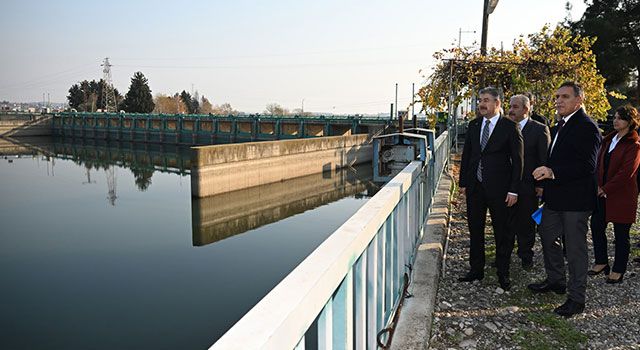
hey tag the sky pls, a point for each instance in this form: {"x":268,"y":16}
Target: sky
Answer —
{"x":331,"y":56}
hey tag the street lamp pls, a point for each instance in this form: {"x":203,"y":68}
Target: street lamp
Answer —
{"x":489,"y":6}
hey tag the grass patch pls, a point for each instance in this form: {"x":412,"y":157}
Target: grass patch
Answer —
{"x":555,"y":333}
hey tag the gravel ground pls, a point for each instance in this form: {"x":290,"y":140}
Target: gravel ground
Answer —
{"x":480,"y":315}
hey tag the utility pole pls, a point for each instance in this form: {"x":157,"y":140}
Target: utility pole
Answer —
{"x":395,"y":115}
{"x":413,"y":105}
{"x":489,"y":6}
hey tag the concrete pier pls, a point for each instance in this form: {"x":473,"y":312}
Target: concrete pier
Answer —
{"x":225,"y":168}
{"x":36,"y":126}
{"x":217,"y":217}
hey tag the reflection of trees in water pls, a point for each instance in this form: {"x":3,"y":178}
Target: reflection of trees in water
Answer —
{"x":142,"y":178}
{"x":141,"y":173}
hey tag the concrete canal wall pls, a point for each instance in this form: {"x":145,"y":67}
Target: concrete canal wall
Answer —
{"x":227,"y":214}
{"x":224,"y":168}
{"x":38,"y":126}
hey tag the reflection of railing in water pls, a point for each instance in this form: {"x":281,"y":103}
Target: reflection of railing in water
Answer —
{"x":225,"y":215}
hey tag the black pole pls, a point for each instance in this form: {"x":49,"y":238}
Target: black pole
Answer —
{"x":485,"y":26}
{"x":391,"y":113}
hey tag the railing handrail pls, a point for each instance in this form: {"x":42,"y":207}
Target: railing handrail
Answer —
{"x":314,"y":281}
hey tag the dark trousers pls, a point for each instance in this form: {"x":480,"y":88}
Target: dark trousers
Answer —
{"x":574,"y":226}
{"x":478,"y":201}
{"x":621,"y":232}
{"x":522,"y":225}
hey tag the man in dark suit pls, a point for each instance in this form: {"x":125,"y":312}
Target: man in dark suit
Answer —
{"x":534,"y":115}
{"x":536,"y":145}
{"x":570,"y":195}
{"x":490,"y":173}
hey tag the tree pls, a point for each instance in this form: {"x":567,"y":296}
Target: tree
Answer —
{"x":169,"y":104}
{"x":616,"y":25}
{"x":76,"y":97}
{"x":205,"y":106}
{"x":539,"y":64}
{"x":193,"y":106}
{"x":224,"y":109}
{"x":86,"y":96}
{"x":139,"y":98}
{"x":275,"y":109}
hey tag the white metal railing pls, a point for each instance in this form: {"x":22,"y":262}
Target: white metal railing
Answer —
{"x":347,"y":290}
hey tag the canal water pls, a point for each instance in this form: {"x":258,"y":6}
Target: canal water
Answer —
{"x":103,"y":247}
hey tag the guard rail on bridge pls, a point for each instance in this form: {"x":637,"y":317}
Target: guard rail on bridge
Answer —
{"x":346,"y":291}
{"x":207,"y":129}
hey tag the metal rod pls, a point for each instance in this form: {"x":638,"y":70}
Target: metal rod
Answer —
{"x":413,"y":104}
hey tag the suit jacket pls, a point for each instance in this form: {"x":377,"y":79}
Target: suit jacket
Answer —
{"x":540,"y":118}
{"x":501,"y":158}
{"x":573,"y":161}
{"x":621,"y":186}
{"x":537,"y":140}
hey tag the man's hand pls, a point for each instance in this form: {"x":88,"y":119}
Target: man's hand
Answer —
{"x":539,"y":191}
{"x":542,"y":173}
{"x":511,"y":200}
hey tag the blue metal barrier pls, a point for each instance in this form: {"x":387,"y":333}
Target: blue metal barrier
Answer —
{"x":346,"y":291}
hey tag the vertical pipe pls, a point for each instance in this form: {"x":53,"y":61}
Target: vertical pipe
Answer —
{"x":396,"y":101}
{"x":413,"y":103}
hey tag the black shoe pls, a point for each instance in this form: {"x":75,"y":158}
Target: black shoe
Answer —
{"x":471,"y":276}
{"x":569,"y":308}
{"x":504,"y":282}
{"x":527,"y":264}
{"x":544,"y":287}
{"x":593,"y":272}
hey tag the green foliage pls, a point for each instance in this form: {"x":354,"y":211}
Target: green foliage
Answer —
{"x":616,"y":25}
{"x":86,"y":96}
{"x":551,"y":332}
{"x":139,"y":98}
{"x":193,"y":106}
{"x":539,"y":65}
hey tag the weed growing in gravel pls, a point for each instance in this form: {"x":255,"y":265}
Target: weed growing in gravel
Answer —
{"x":552,"y":332}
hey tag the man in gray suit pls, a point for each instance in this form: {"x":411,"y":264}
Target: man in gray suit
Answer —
{"x":536,"y":144}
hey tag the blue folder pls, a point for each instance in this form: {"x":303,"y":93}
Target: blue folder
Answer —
{"x":537,"y":215}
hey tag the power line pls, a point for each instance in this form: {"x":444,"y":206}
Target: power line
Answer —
{"x":268,"y":54}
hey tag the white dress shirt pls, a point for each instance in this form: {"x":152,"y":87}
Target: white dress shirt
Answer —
{"x":614,"y":142}
{"x":492,"y":124}
{"x":566,"y":120}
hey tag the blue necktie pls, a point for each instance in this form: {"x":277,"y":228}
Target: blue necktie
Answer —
{"x":483,"y":143}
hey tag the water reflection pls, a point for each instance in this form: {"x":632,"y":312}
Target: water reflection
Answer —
{"x":228,"y":214}
{"x":78,"y":273}
{"x":98,"y":155}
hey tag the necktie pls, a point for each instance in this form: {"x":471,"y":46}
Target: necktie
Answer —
{"x":560,"y":124}
{"x":555,"y":137}
{"x":483,"y":143}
